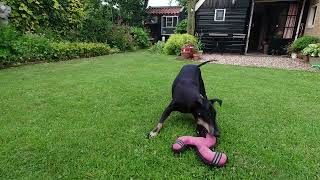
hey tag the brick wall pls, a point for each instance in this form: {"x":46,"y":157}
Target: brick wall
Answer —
{"x":315,"y":30}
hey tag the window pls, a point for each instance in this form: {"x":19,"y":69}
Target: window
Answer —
{"x":169,"y":21}
{"x":311,"y":16}
{"x":219,"y":14}
{"x":169,"y":24}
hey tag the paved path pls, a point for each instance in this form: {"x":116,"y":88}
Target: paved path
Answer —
{"x":277,"y":62}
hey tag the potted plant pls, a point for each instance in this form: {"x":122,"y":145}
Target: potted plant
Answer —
{"x":187,"y":51}
{"x":301,"y":43}
{"x":313,"y":52}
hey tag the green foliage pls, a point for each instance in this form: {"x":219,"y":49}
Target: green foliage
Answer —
{"x":97,"y":24}
{"x":121,"y":38}
{"x":312,"y":50}
{"x":67,"y":50}
{"x":8,"y":35}
{"x":301,"y":43}
{"x":158,"y":47}
{"x":140,"y":37}
{"x":31,"y":47}
{"x":63,"y":16}
{"x":19,"y":48}
{"x":182,"y":2}
{"x":182,"y":27}
{"x":199,"y":45}
{"x":129,"y":12}
{"x":177,"y":41}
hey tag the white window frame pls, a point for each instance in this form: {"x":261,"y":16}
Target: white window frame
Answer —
{"x":312,"y":16}
{"x":167,"y":23}
{"x":215,"y":15}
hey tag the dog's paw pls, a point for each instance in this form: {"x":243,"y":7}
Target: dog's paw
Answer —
{"x":152,"y":134}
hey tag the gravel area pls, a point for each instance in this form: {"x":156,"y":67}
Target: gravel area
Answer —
{"x":254,"y":60}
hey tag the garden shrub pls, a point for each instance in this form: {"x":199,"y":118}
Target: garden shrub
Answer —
{"x":18,"y":48}
{"x":121,"y":38}
{"x":68,"y":50}
{"x":141,"y":37}
{"x":302,"y":42}
{"x":31,"y":47}
{"x":312,"y":50}
{"x":8,"y":36}
{"x":182,"y":27}
{"x":177,"y":41}
{"x":158,"y":47}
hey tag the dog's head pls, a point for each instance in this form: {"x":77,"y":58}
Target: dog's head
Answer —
{"x":207,"y":115}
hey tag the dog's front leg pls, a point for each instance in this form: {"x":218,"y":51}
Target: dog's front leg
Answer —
{"x":164,"y":116}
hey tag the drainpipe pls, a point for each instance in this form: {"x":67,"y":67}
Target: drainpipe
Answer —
{"x":300,"y":19}
{"x":249,"y":28}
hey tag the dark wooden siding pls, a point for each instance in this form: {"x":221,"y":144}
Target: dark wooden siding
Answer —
{"x":224,"y":3}
{"x":235,"y":23}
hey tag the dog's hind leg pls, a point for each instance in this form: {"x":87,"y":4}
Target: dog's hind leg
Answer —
{"x":164,"y":116}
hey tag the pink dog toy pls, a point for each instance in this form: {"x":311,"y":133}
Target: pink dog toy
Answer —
{"x":203,"y":146}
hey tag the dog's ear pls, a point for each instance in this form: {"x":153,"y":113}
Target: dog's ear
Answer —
{"x":216,"y":100}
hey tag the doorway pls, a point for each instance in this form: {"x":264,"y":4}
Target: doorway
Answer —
{"x":273,"y":27}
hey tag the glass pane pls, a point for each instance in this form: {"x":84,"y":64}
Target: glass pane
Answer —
{"x":175,"y":21}
{"x":219,"y":15}
{"x":169,"y":22}
{"x":164,"y":22}
{"x":314,"y":15}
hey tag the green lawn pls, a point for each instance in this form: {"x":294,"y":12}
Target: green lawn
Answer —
{"x":89,"y":119}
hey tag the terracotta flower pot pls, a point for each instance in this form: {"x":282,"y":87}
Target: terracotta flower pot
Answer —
{"x":186,"y":55}
{"x":196,"y":56}
{"x":306,"y":58}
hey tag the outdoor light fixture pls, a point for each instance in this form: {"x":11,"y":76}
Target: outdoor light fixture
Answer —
{"x":233,"y":2}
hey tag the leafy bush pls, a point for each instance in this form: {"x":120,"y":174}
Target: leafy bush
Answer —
{"x":177,"y":41}
{"x":19,"y":48}
{"x":63,"y":16}
{"x":8,"y":35}
{"x":312,"y":50}
{"x":182,"y":27}
{"x":158,"y":47}
{"x":140,"y":36}
{"x":199,"y":45}
{"x":301,"y":43}
{"x":121,"y":38}
{"x":31,"y":47}
{"x":67,"y":50}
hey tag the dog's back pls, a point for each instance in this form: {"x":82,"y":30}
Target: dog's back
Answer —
{"x":185,"y":88}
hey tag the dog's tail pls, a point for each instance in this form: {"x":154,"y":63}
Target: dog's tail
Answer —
{"x":205,"y":63}
{"x":216,"y":100}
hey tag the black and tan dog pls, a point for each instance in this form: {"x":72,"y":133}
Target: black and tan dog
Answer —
{"x":189,"y":96}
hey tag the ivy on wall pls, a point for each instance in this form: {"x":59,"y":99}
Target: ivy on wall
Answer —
{"x":58,"y":15}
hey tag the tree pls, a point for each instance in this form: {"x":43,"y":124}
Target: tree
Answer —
{"x":130,"y":12}
{"x":191,"y":16}
{"x":190,"y":4}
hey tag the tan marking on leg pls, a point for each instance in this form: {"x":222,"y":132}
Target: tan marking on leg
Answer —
{"x":155,"y":131}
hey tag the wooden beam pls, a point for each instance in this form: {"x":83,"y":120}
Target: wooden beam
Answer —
{"x":300,"y":19}
{"x":249,"y":28}
{"x":199,"y":3}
